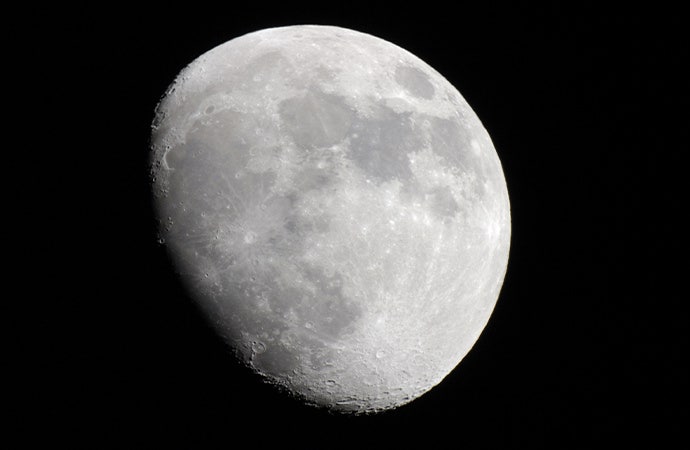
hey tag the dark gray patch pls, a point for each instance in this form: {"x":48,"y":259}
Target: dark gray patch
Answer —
{"x":298,"y":225}
{"x":203,"y":181}
{"x":316,"y":119}
{"x":227,"y":145}
{"x":195,"y":185}
{"x":414,"y":81}
{"x":382,"y":143}
{"x":329,"y":313}
{"x":291,"y":225}
{"x":449,"y":140}
{"x":442,"y":202}
{"x":316,"y":171}
{"x":282,"y":297}
{"x":323,"y":73}
{"x":453,"y":142}
{"x":264,"y":67}
{"x":328,"y":285}
{"x":312,"y":178}
{"x":323,"y":359}
{"x":276,"y":360}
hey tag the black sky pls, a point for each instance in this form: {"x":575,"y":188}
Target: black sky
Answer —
{"x":584,"y":107}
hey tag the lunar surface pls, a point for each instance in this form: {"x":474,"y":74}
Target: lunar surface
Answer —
{"x":337,"y":210}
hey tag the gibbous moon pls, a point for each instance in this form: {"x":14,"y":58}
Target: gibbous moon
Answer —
{"x":336,"y":209}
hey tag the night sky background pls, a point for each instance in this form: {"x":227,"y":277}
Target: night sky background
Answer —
{"x":587,"y":342}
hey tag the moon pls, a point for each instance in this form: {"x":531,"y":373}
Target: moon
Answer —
{"x":335,"y":208}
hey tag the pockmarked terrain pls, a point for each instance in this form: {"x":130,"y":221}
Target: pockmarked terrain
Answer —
{"x":336,"y":208}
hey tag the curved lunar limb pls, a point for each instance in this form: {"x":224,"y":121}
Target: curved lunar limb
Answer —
{"x":336,"y":208}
